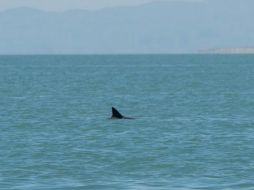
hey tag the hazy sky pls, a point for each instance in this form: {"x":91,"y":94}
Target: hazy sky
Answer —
{"x":72,"y":4}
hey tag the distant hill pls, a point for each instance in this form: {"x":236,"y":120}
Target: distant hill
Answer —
{"x":160,"y":27}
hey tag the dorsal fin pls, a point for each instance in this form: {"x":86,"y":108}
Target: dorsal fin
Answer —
{"x":116,"y":114}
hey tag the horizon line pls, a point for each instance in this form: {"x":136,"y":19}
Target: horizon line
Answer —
{"x":126,"y":54}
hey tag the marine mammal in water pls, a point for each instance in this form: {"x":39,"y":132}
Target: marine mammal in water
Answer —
{"x":116,"y":115}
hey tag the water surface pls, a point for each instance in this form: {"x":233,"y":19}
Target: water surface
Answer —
{"x":194,"y":126}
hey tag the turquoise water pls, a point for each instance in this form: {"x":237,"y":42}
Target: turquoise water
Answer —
{"x":194,"y":126}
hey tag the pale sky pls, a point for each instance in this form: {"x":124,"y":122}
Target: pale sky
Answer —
{"x":68,"y":4}
{"x":60,"y":5}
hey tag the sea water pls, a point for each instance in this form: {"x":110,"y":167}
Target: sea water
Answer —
{"x":194,"y":126}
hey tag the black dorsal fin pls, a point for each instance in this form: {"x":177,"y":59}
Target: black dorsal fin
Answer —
{"x":116,"y":114}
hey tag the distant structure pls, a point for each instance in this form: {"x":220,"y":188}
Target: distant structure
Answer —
{"x":229,"y":51}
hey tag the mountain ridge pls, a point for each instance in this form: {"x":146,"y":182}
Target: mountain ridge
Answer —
{"x":155,"y":27}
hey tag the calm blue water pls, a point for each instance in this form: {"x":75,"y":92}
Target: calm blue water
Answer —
{"x":194,"y":126}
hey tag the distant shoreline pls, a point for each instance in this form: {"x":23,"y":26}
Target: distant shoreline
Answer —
{"x":229,"y":51}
